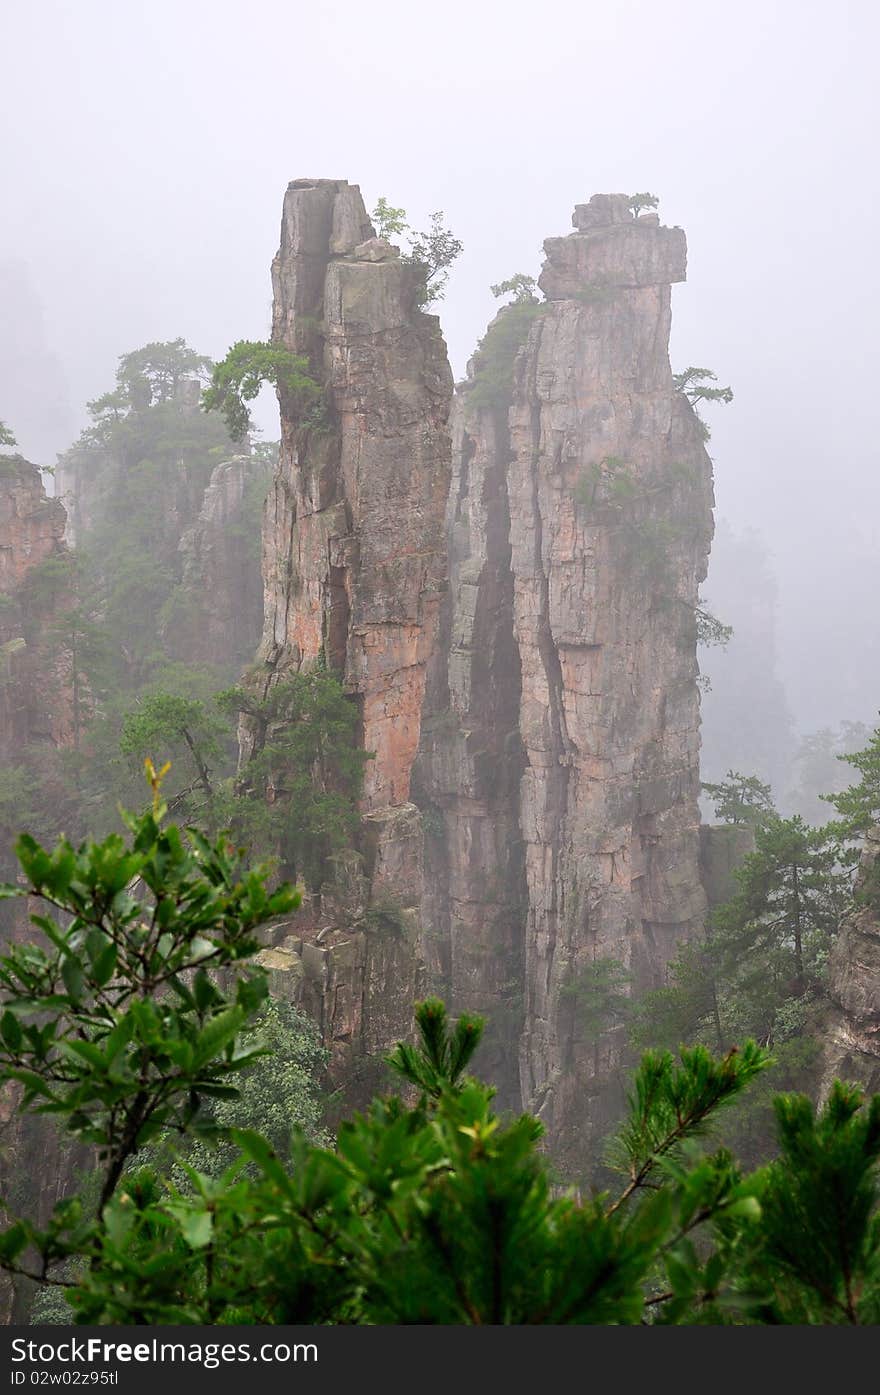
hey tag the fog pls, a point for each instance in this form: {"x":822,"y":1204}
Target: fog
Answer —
{"x":148,"y":147}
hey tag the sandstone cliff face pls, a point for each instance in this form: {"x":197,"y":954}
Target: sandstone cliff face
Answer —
{"x":354,"y":546}
{"x":31,"y":525}
{"x":35,"y":692}
{"x":471,"y":760}
{"x":852,"y":1040}
{"x":604,"y":619}
{"x":219,"y":615}
{"x":565,"y":766}
{"x":36,"y":719}
{"x":525,"y":666}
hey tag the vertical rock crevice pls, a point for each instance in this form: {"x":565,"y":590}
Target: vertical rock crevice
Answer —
{"x":471,"y":759}
{"x":607,"y":526}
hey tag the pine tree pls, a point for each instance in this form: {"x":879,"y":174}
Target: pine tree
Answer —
{"x":741,"y":799}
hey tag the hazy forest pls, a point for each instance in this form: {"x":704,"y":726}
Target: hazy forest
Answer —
{"x":439,"y":805}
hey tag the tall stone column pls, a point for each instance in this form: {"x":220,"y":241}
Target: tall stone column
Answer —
{"x":354,"y":550}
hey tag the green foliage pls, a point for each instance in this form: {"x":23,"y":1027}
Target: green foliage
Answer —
{"x":278,"y":1097}
{"x":711,"y":630}
{"x":437,"y":1212}
{"x":749,"y":1126}
{"x":759,"y":970}
{"x":594,"y":294}
{"x":146,"y":378}
{"x":439,"y":1061}
{"x":113,"y":1023}
{"x":266,"y":452}
{"x":685,"y":1009}
{"x":389,"y":222}
{"x":606,"y":483}
{"x":637,"y":202}
{"x":19,"y":806}
{"x":599,"y":992}
{"x":386,"y":918}
{"x":859,"y":805}
{"x":114,"y":618}
{"x":432,"y":251}
{"x":154,"y":373}
{"x":818,"y":1260}
{"x":816,"y":770}
{"x":300,"y":788}
{"x":491,"y":384}
{"x":176,"y":729}
{"x":672,"y":1103}
{"x":647,"y":530}
{"x":741,"y":799}
{"x":695,"y":383}
{"x":238,"y":379}
{"x":648,"y":545}
{"x":520,"y":286}
{"x":440,"y":1212}
{"x":775,"y":933}
{"x":7,"y":437}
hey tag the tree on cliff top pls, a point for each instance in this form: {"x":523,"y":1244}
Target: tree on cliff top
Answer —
{"x":741,"y":799}
{"x":520,"y":286}
{"x":6,"y":436}
{"x":433,"y":251}
{"x":146,"y":377}
{"x":160,"y":368}
{"x":639,"y":201}
{"x":389,"y":222}
{"x":491,"y":381}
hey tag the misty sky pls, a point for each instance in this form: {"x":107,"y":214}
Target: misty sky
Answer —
{"x":147,"y":148}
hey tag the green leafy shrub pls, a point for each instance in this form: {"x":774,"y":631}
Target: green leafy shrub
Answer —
{"x":432,"y":251}
{"x":639,"y":201}
{"x":491,"y":385}
{"x":386,"y":917}
{"x":696,"y":383}
{"x":741,"y":799}
{"x":238,"y":379}
{"x":307,"y":756}
{"x":114,"y":1023}
{"x":438,"y":1211}
{"x":609,"y":483}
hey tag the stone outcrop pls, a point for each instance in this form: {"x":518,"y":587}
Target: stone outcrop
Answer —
{"x":218,"y":614}
{"x":471,"y":760}
{"x":37,"y":706}
{"x":354,"y":550}
{"x":851,"y":1049}
{"x":524,"y":666}
{"x":605,"y":589}
{"x":562,"y":754}
{"x":35,"y":689}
